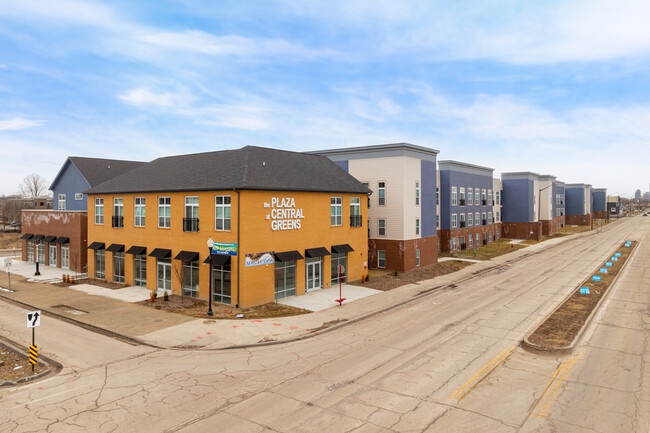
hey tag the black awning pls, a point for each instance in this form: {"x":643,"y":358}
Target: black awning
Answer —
{"x":288,"y":256}
{"x":316,"y":252}
{"x":187,"y":256}
{"x":217,"y":259}
{"x":62,"y":240}
{"x":96,"y":246}
{"x":160,"y":253}
{"x":115,"y":248}
{"x":38,"y":237}
{"x":340,"y":249}
{"x":49,"y":239}
{"x":27,"y":236}
{"x":136,"y":251}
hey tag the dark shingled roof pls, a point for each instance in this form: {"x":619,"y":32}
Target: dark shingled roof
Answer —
{"x":251,"y":168}
{"x":97,"y":170}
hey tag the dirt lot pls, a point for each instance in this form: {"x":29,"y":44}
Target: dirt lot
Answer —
{"x":560,"y":329}
{"x":486,"y":252}
{"x":389,"y":280}
{"x":9,"y":241}
{"x":14,"y":367}
{"x":198,"y":308}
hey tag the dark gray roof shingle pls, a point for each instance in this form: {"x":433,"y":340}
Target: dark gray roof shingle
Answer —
{"x":251,"y":167}
{"x":97,"y":170}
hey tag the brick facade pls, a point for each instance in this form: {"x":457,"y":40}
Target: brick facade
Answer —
{"x":520,"y":230}
{"x":550,"y":227}
{"x":69,"y":224}
{"x":445,"y":236}
{"x":578,"y":220}
{"x":601,"y":215}
{"x":400,"y":255}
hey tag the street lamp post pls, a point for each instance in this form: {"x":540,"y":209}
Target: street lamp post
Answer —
{"x":37,"y":273}
{"x":209,"y":314}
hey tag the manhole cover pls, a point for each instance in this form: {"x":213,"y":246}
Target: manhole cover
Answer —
{"x":70,"y":310}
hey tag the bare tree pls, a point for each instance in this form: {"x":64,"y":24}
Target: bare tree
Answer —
{"x":179,"y":273}
{"x":33,"y":186}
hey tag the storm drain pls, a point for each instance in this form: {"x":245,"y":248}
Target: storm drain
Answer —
{"x":69,"y":310}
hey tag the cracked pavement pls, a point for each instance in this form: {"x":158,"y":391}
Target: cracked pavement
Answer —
{"x":393,"y":372}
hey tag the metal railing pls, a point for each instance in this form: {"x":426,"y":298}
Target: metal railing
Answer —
{"x":190,"y":224}
{"x":355,"y":220}
{"x":118,"y":221}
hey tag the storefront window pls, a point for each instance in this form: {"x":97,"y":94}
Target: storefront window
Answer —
{"x":65,"y":256}
{"x":100,"y":265}
{"x":52,"y":255}
{"x":118,"y":267}
{"x":285,"y":279}
{"x":313,"y":273}
{"x":30,"y":251}
{"x":40,"y":249}
{"x":339,"y":259}
{"x":164,"y":270}
{"x":221,"y":284}
{"x":191,"y":279}
{"x":140,"y":270}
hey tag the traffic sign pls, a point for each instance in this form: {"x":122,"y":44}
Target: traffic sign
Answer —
{"x":596,"y":277}
{"x":34,"y":319}
{"x":8,"y":264}
{"x":33,"y":355}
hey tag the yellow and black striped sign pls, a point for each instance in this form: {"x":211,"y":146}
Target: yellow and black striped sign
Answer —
{"x":33,"y":354}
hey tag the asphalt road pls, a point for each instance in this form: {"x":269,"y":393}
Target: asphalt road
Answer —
{"x":448,"y":362}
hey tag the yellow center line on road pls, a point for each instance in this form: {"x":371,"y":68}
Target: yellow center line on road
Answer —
{"x":562,"y":370}
{"x":498,"y":360}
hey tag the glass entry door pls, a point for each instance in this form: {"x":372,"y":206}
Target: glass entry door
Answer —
{"x":164,"y":274}
{"x":313,"y":273}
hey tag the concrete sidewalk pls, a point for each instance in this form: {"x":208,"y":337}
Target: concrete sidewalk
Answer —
{"x":169,"y":330}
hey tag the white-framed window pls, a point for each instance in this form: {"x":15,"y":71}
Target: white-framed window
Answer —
{"x":164,"y":212}
{"x":191,"y":220}
{"x":417,"y":257}
{"x":454,"y":244}
{"x":118,"y":267}
{"x":99,"y":211}
{"x":222,"y":212}
{"x":498,"y":196}
{"x":65,"y":256}
{"x":489,"y":202}
{"x":483,"y":218}
{"x":381,"y":259}
{"x":489,"y":236}
{"x":79,"y":196}
{"x":437,"y":195}
{"x":355,"y":212}
{"x":462,"y":220}
{"x":477,"y":219}
{"x":118,"y":212}
{"x":461,"y":191}
{"x":470,"y":241}
{"x":381,"y":193}
{"x":454,"y":198}
{"x":381,"y":227}
{"x":478,"y":239}
{"x":454,"y":221}
{"x":336,"y":211}
{"x":100,"y":264}
{"x":483,"y":197}
{"x":477,"y":197}
{"x":30,"y":251}
{"x":437,"y":221}
{"x":52,"y":254}
{"x":417,"y":193}
{"x":497,"y":217}
{"x":490,"y":218}
{"x":470,"y":197}
{"x":417,"y":226}
{"x":191,"y":278}
{"x":140,"y":270}
{"x":470,"y":219}
{"x":61,"y":201}
{"x":140,"y":212}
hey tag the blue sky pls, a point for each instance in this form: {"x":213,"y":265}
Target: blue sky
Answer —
{"x":555,"y":87}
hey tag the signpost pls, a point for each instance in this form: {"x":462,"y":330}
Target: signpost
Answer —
{"x":608,"y":264}
{"x":603,"y":270}
{"x":8,"y":266}
{"x":584,"y":290}
{"x":341,"y":298}
{"x":33,"y":320}
{"x":596,"y":278}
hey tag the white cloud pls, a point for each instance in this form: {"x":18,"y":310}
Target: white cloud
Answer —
{"x":145,"y":97}
{"x":18,"y":123}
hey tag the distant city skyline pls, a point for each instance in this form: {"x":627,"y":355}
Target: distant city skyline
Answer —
{"x":557,"y":88}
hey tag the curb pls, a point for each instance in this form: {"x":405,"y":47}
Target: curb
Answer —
{"x":51,"y":365}
{"x":525,"y":343}
{"x":341,"y":322}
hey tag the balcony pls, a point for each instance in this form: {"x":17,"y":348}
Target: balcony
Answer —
{"x":190,"y":224}
{"x":484,"y":202}
{"x":462,"y":202}
{"x":355,"y":221}
{"x":118,"y":221}
{"x":462,"y":224}
{"x":484,"y":222}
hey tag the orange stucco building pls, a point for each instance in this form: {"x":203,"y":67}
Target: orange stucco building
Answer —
{"x":259,"y":224}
